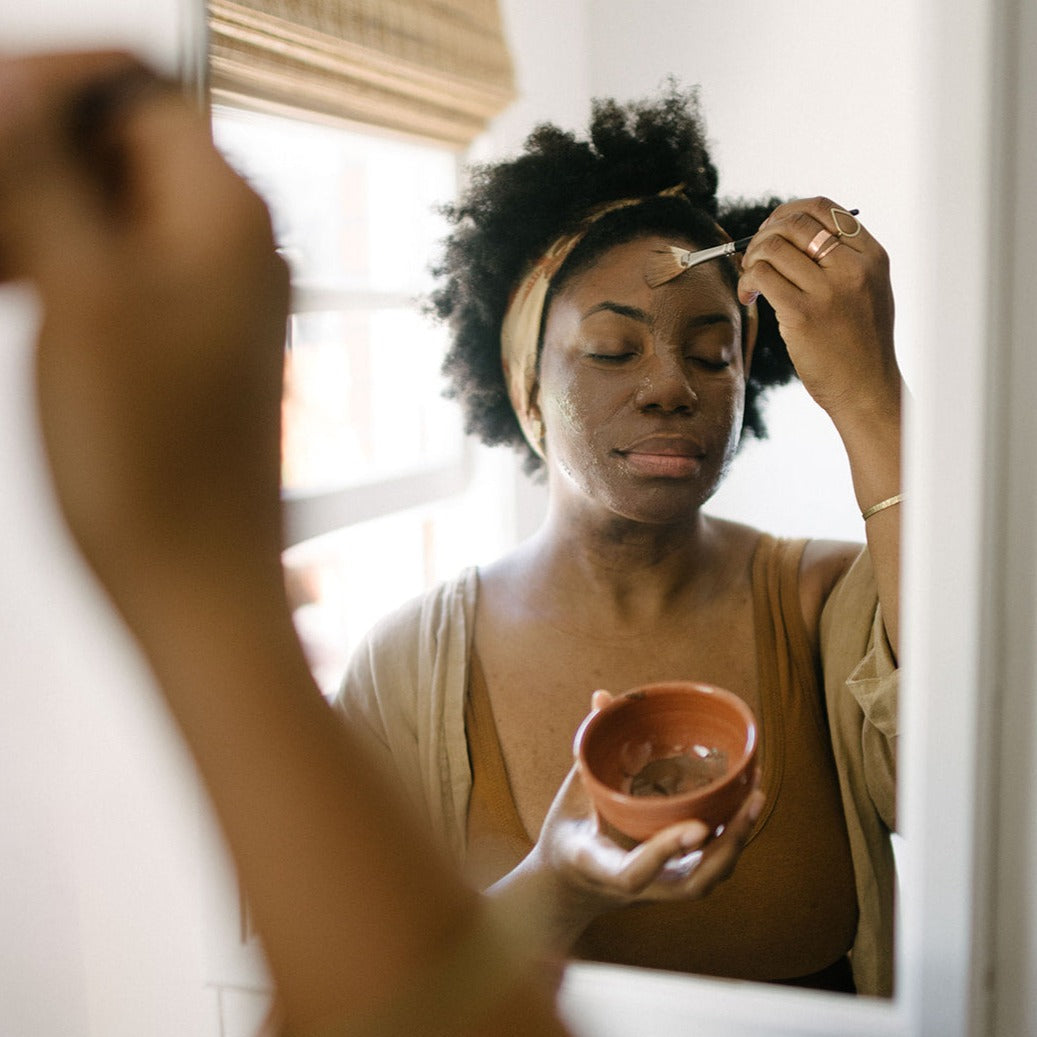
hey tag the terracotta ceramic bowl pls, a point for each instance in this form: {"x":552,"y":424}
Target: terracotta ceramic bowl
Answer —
{"x":668,"y":752}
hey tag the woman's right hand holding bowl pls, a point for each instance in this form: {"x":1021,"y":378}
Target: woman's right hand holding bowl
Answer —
{"x":581,"y":867}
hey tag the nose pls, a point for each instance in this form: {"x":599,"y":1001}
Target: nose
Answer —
{"x":665,"y":386}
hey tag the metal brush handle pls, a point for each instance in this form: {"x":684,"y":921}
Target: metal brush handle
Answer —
{"x":690,"y":259}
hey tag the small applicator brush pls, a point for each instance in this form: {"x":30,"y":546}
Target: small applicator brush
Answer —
{"x":672,"y":261}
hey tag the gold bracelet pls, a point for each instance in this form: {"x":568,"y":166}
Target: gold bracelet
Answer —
{"x":881,"y":506}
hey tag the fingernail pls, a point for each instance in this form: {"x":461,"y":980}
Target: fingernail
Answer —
{"x":693,"y":835}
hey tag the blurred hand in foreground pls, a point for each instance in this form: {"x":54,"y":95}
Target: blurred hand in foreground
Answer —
{"x":159,"y":377}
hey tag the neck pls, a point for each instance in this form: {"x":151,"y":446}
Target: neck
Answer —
{"x":620,"y":572}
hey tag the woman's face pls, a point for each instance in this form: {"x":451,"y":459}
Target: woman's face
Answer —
{"x":641,"y":390}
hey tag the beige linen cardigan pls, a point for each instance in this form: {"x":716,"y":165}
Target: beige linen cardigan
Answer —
{"x":405,"y":689}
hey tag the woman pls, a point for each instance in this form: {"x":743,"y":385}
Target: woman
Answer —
{"x":634,"y":399}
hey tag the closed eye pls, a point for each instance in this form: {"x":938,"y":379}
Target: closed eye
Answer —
{"x":611,"y":357}
{"x":709,"y":343}
{"x":710,"y":365}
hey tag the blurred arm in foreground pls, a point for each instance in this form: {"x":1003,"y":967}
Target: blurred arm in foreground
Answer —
{"x":158,"y":379}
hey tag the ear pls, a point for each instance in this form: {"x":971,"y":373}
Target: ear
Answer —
{"x":534,"y":401}
{"x":750,"y":329}
{"x":536,"y":421}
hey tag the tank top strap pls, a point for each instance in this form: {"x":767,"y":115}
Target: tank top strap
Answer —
{"x":491,"y":806}
{"x":783,"y":645}
{"x":784,"y":665}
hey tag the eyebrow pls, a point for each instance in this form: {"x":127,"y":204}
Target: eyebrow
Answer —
{"x":644,"y":317}
{"x":633,"y":312}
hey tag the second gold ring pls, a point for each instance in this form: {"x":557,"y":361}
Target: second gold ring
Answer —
{"x":821,"y":244}
{"x":830,"y":243}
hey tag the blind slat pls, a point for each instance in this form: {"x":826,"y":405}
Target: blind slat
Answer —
{"x":438,"y":70}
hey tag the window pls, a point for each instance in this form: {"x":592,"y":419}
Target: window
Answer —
{"x":380,"y":499}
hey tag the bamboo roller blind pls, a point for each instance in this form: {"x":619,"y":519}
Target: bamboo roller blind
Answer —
{"x":436,"y":68}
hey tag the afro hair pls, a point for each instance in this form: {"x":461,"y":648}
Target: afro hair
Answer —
{"x":512,"y":211}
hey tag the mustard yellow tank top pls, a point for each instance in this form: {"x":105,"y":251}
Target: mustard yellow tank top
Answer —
{"x":788,"y":913}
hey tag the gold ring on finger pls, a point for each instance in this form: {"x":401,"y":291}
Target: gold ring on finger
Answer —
{"x":840,"y":230}
{"x":832,"y":242}
{"x":817,"y":242}
{"x":821,"y":245}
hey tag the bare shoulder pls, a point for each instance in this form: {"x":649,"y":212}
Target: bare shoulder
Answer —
{"x":824,"y":563}
{"x":734,"y":541}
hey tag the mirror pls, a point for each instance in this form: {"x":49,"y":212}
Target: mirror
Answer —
{"x":773,"y":485}
{"x":797,"y":482}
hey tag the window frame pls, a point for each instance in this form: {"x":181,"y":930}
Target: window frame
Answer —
{"x":312,"y":513}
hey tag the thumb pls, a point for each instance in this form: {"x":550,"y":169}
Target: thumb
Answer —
{"x":570,"y":800}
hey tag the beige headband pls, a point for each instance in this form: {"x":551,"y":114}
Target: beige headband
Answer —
{"x":520,"y":331}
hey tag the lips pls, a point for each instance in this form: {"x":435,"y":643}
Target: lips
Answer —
{"x":671,"y":457}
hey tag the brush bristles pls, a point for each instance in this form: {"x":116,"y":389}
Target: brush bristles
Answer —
{"x":665,"y":265}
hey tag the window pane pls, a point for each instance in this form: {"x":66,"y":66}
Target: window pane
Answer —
{"x":362,"y":399}
{"x":355,"y":213}
{"x":356,"y":216}
{"x":354,"y":209}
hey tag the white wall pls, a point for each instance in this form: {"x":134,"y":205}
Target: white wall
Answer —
{"x":548,"y":41}
{"x":812,"y":98}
